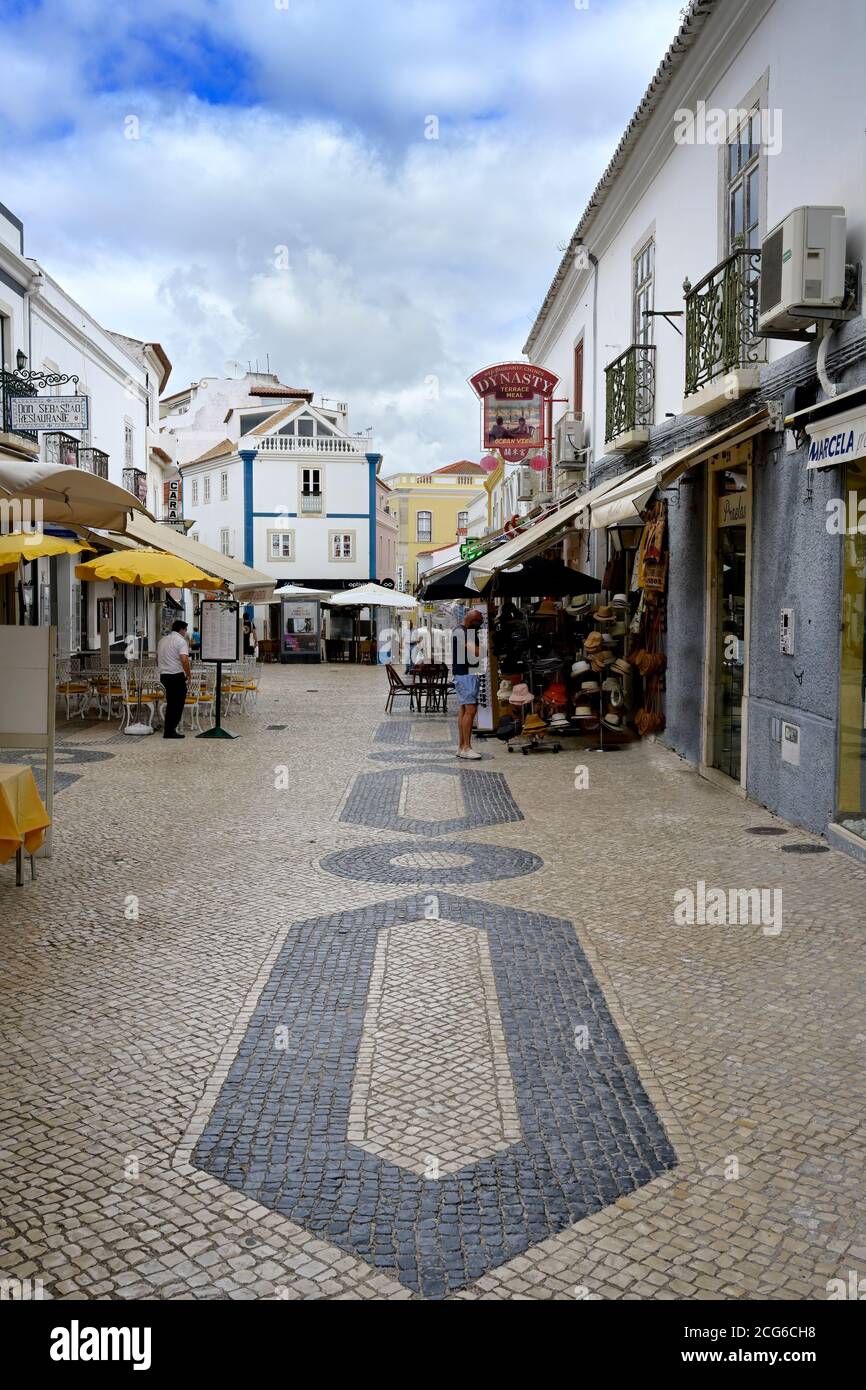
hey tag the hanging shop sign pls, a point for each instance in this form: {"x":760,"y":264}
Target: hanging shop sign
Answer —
{"x":513,"y":398}
{"x":172,"y":500}
{"x":35,"y":413}
{"x":837,"y":441}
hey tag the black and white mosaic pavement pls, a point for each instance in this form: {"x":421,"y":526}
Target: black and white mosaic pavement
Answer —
{"x":446,"y":862}
{"x":376,"y":796}
{"x":278,"y":1129}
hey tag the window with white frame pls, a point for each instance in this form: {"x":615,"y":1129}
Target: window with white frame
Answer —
{"x":462,"y":521}
{"x":743,"y":184}
{"x":642,"y":293}
{"x":311,"y":481}
{"x":206,"y":488}
{"x":424,"y":526}
{"x":342,"y":545}
{"x":224,"y":487}
{"x":281,"y":545}
{"x":128,"y":444}
{"x":194,"y":491}
{"x":225,"y":541}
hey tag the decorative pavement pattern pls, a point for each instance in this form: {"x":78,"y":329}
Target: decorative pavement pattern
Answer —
{"x":430,"y":801}
{"x":394,"y":1120}
{"x":144,"y":965}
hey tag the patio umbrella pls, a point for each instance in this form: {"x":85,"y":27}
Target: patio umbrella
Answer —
{"x":549,"y":578}
{"x":372,"y":596}
{"x":69,"y":496}
{"x":24,"y":546}
{"x":299,"y":591}
{"x":146,"y":568}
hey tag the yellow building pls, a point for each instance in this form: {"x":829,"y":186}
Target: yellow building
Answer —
{"x":432,"y":511}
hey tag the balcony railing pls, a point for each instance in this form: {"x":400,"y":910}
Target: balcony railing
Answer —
{"x":630,"y":391}
{"x":135,"y":481}
{"x":722,"y":320}
{"x":93,"y":461}
{"x":311,"y":504}
{"x":61,"y":449}
{"x":294,"y":444}
{"x":11,"y":386}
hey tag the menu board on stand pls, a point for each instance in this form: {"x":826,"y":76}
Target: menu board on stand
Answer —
{"x":220,"y":641}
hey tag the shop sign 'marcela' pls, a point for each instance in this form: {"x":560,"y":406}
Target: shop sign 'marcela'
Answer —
{"x":837,"y":441}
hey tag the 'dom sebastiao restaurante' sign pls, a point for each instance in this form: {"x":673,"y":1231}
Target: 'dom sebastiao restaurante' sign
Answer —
{"x":513,"y":397}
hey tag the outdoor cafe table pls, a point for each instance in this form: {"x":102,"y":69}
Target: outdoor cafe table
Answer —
{"x":23,"y":818}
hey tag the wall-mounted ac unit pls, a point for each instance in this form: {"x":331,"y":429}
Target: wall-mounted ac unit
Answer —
{"x":569,"y":438}
{"x":526,"y":485}
{"x":802,"y":267}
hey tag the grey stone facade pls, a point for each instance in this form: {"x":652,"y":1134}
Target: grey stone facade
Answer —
{"x":796,"y":564}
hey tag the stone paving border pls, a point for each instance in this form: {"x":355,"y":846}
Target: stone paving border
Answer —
{"x":374,"y":863}
{"x":375,"y":801}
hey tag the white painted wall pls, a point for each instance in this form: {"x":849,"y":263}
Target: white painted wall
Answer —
{"x":811,"y":59}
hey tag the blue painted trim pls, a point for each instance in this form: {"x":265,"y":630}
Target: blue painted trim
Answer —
{"x":373,"y":460}
{"x":248,"y":455}
{"x":345,"y":516}
{"x":275,"y":514}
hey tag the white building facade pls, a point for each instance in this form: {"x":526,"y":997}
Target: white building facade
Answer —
{"x":662,"y":326}
{"x":288,"y":490}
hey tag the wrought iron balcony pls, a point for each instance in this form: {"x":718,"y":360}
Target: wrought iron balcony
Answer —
{"x":135,"y":481}
{"x":722,"y":320}
{"x":311,"y":504}
{"x":10,"y":386}
{"x":61,"y":449}
{"x":93,"y":461}
{"x":630,"y":391}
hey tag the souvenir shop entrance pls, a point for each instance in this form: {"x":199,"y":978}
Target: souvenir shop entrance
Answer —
{"x":729,"y":548}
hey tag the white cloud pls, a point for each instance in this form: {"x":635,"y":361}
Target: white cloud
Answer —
{"x":409,"y":259}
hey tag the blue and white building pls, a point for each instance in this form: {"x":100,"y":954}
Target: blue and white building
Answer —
{"x":287,"y":489}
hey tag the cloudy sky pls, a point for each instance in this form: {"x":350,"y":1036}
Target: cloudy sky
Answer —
{"x":373,"y":192}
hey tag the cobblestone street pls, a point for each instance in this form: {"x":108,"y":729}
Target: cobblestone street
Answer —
{"x":384,"y":1025}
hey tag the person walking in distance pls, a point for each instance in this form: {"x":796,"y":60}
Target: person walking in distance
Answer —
{"x":465,"y":662}
{"x":172,"y":658}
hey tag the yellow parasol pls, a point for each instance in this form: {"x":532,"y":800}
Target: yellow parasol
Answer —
{"x":22,"y":546}
{"x":148,"y":567}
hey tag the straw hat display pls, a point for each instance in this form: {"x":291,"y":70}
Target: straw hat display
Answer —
{"x":558,"y":721}
{"x":547,"y":609}
{"x":613,"y":720}
{"x":622,"y":666}
{"x":619,"y":601}
{"x":505,"y":689}
{"x":579,"y":668}
{"x":583,"y":712}
{"x":520,"y":694}
{"x":604,"y":614}
{"x":534,"y":724}
{"x":592,"y":642}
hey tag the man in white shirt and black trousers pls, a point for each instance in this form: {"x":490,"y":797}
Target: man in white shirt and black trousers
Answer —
{"x":172,"y":658}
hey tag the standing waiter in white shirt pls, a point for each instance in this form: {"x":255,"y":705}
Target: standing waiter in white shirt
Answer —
{"x":172,"y":658}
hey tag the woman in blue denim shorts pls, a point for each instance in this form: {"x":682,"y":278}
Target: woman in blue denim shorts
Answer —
{"x":464,"y":668}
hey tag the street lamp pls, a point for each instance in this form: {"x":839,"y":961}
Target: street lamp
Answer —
{"x":21,"y":359}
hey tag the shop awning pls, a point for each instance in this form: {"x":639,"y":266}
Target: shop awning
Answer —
{"x":68,"y":496}
{"x":625,"y":499}
{"x":247,"y":584}
{"x":536,"y":537}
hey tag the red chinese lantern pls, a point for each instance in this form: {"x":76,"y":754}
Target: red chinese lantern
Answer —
{"x":538,"y":462}
{"x":489,"y":463}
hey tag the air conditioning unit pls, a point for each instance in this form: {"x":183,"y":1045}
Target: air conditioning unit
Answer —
{"x":802,"y":267}
{"x":526,"y":485}
{"x":569,"y":439}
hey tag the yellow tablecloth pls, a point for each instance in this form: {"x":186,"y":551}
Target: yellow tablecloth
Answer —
{"x":23,"y":818}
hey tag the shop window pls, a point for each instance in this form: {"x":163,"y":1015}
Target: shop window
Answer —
{"x":424,"y":526}
{"x":851,"y":774}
